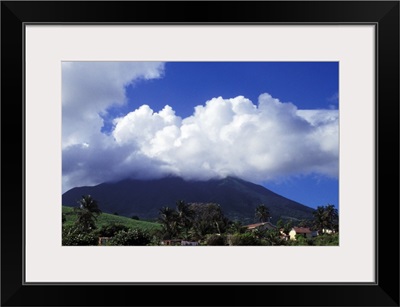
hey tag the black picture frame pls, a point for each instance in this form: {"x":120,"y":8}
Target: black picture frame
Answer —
{"x":383,"y":14}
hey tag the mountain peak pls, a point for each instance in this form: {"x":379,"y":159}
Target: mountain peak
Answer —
{"x":238,"y":198}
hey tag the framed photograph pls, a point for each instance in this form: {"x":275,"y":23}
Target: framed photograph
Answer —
{"x":239,"y":154}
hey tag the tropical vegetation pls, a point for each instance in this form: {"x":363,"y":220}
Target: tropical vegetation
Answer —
{"x":201,"y":224}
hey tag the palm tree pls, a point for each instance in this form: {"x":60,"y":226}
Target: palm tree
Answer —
{"x":208,"y":219}
{"x":185,"y":213}
{"x":332,"y":216}
{"x":87,"y":213}
{"x":185,"y":217}
{"x":319,"y":218}
{"x":236,"y":227}
{"x":168,"y":218}
{"x":262,"y":213}
{"x":325,"y":217}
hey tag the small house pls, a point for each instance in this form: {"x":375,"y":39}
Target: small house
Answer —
{"x":171,"y":242}
{"x":261,"y":226}
{"x":176,"y":242}
{"x":304,"y":231}
{"x":189,"y":243}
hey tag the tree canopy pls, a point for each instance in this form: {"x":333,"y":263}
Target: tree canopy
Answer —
{"x":262,"y":213}
{"x":87,"y":213}
{"x":326,"y":218}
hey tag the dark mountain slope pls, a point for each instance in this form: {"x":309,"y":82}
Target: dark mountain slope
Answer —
{"x":238,"y":198}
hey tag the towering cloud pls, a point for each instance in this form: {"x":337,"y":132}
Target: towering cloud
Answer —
{"x":224,"y":136}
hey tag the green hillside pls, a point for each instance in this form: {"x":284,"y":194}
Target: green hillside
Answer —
{"x":105,"y":219}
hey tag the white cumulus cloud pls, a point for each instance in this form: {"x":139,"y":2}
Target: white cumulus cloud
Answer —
{"x":258,"y":141}
{"x":234,"y":137}
{"x":89,"y":88}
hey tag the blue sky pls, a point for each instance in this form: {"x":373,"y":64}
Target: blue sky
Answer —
{"x":116,"y":123}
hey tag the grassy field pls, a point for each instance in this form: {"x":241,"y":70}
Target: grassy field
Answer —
{"x":106,"y":218}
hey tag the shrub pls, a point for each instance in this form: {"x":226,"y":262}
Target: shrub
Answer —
{"x":110,"y":230}
{"x":301,"y":241}
{"x":73,"y":235}
{"x":215,"y":240}
{"x":327,"y":240}
{"x":131,"y":237}
{"x":272,"y":237}
{"x":247,"y":238}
